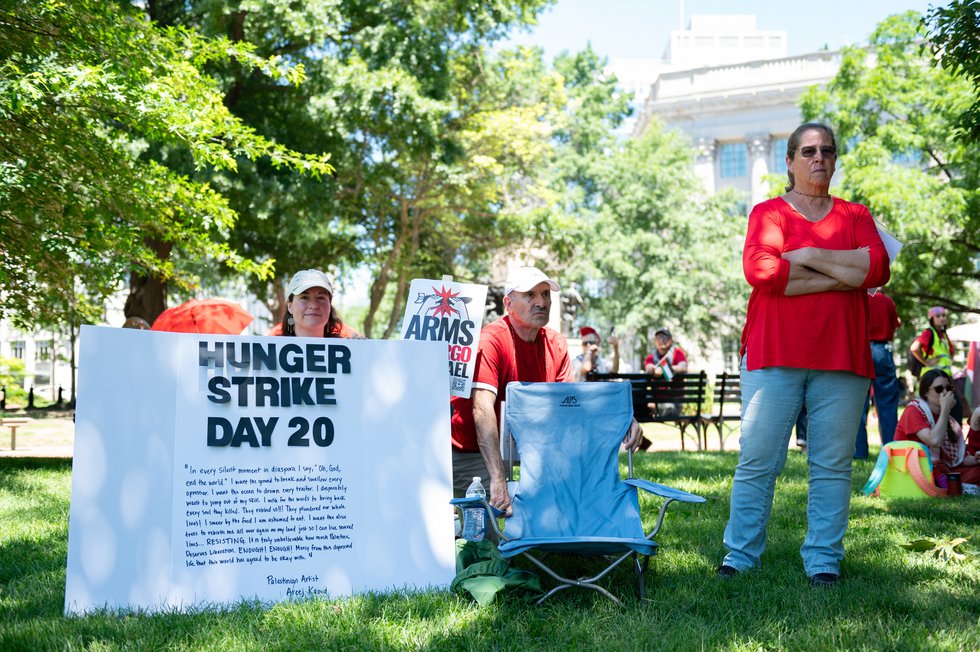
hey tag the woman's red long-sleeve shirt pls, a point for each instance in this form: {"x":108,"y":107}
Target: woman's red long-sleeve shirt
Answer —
{"x":822,"y":330}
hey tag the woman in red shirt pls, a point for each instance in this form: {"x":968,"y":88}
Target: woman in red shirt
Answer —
{"x":809,"y":258}
{"x":929,"y":421}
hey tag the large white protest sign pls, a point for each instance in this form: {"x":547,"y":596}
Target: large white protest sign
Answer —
{"x":448,"y":312}
{"x":212,"y":468}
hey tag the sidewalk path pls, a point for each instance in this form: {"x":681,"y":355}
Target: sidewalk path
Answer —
{"x":47,"y":434}
{"x":60,"y":444}
{"x":37,"y":451}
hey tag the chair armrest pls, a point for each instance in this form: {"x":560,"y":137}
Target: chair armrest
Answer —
{"x":664,"y":491}
{"x":477,"y":502}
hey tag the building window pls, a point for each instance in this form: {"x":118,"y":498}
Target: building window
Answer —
{"x":779,"y":155}
{"x":17,"y":350}
{"x":734,"y":160}
{"x":729,"y":41}
{"x":43,"y":351}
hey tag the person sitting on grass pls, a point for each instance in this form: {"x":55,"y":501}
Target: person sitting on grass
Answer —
{"x":928,"y":421}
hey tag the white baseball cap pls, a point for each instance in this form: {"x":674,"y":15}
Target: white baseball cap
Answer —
{"x":522,"y":279}
{"x":305,"y":279}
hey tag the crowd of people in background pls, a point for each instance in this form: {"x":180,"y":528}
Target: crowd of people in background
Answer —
{"x":817,"y":351}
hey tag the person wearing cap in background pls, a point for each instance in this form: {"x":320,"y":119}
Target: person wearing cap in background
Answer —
{"x":935,"y":350}
{"x":309,"y":308}
{"x":589,"y":359}
{"x":518,"y":347}
{"x":667,"y":358}
{"x":883,"y":321}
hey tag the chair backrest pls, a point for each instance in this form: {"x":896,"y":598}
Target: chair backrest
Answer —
{"x":568,"y":435}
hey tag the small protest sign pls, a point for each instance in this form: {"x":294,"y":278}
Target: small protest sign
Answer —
{"x":451,"y":312}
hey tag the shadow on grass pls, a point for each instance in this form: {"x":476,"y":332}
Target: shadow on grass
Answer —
{"x":33,"y":545}
{"x":888,"y":595}
{"x":14,"y":470}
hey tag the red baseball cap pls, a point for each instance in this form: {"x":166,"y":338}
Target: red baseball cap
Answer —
{"x":588,"y":330}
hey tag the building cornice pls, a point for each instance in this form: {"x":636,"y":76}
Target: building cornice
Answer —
{"x":736,"y":85}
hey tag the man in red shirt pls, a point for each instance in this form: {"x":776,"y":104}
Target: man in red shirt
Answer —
{"x":667,"y":358}
{"x":518,"y":347}
{"x":883,"y":321}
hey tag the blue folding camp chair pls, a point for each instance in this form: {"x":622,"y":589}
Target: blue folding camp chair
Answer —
{"x":569,"y":497}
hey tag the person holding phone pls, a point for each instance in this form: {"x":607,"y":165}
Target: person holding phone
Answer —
{"x":590,"y":360}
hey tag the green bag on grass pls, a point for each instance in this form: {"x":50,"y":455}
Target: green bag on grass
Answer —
{"x":483,"y":573}
{"x":904,"y":470}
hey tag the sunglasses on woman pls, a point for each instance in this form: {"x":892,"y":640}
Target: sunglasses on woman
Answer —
{"x":826,"y":151}
{"x":940,"y":389}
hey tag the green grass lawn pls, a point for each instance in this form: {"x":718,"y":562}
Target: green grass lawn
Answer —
{"x":889,"y":598}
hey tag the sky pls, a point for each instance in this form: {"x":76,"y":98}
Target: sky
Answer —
{"x":626,"y":29}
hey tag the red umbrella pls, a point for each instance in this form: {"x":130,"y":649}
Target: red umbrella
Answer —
{"x":218,"y":316}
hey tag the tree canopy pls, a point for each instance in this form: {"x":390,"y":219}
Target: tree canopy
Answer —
{"x":661,"y":252}
{"x":894,"y":114}
{"x":954,"y":37}
{"x":167,"y":136}
{"x":408,"y":100}
{"x":87,"y":89}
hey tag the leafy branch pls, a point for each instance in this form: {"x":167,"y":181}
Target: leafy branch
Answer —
{"x":943,"y":550}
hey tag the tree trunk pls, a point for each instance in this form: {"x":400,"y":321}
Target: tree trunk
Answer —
{"x":398,"y":305}
{"x":148,"y":293}
{"x":401,"y":289}
{"x":380,"y":283}
{"x":72,"y":337}
{"x":237,"y":35}
{"x":278,"y":304}
{"x":377,"y":293}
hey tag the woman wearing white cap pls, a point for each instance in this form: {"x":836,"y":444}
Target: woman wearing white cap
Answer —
{"x":309,"y":308}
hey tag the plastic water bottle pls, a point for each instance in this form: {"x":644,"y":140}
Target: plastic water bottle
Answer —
{"x":474,"y":518}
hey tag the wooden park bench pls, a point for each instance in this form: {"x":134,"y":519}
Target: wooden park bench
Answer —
{"x":13,"y":423}
{"x":728,"y":406}
{"x":686,"y":391}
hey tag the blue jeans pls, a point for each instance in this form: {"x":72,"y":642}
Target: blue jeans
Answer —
{"x":887,"y":393}
{"x":771,"y":400}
